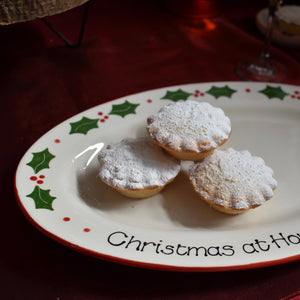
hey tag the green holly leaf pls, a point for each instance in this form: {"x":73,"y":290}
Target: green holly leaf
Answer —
{"x":84,"y":125}
{"x":217,"y":92}
{"x":42,"y":198}
{"x":41,"y":160}
{"x":274,"y":92}
{"x":176,"y":95}
{"x":123,"y":109}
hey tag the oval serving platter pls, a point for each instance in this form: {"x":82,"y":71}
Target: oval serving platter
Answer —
{"x":58,"y":189}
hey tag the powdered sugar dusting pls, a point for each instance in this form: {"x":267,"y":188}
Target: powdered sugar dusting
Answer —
{"x":137,"y":164}
{"x":189,"y":125}
{"x":290,"y":14}
{"x":233,"y":179}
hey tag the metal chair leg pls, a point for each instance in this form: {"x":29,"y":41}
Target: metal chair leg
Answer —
{"x":82,"y":28}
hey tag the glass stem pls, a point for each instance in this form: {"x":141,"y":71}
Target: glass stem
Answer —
{"x":274,"y":5}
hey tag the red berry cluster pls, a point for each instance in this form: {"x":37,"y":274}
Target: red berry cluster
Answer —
{"x":103,"y":118}
{"x":296,"y":95}
{"x":198,"y":93}
{"x":38,"y":179}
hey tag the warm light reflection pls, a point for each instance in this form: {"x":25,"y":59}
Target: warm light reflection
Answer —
{"x":201,"y":26}
{"x":209,"y":25}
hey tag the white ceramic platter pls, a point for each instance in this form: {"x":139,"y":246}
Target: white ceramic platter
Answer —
{"x":58,"y":189}
{"x":277,"y":36}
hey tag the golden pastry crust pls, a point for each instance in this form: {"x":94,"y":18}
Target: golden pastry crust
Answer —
{"x":189,"y":130}
{"x":189,"y":155}
{"x":287,"y":28}
{"x":137,"y":168}
{"x":232,"y":181}
{"x":288,"y":20}
{"x":139,"y":193}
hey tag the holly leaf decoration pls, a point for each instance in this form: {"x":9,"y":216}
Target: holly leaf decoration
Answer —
{"x":124,"y":109}
{"x":224,"y":91}
{"x":274,"y":92}
{"x":42,"y":198}
{"x":41,"y":160}
{"x":84,"y":125}
{"x":176,"y":95}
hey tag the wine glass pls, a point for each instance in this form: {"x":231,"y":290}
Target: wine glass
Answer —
{"x":264,"y":68}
